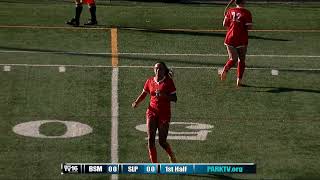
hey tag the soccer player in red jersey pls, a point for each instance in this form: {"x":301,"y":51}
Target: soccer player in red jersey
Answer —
{"x":92,"y":8}
{"x":238,"y":21}
{"x":162,"y":91}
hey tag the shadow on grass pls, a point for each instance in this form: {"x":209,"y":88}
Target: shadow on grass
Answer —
{"x":193,"y":32}
{"x":152,"y":59}
{"x":281,"y":89}
{"x":307,"y":177}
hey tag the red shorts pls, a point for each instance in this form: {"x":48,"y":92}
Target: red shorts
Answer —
{"x":161,"y":117}
{"x":88,"y":1}
{"x":236,"y":44}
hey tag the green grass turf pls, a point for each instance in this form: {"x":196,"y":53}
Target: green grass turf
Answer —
{"x":53,"y":129}
{"x":30,"y":94}
{"x":261,"y":44}
{"x":54,"y":46}
{"x":273,"y":121}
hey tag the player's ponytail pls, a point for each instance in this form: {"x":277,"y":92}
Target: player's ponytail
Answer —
{"x":168,"y":72}
{"x":227,"y":7}
{"x":239,"y":2}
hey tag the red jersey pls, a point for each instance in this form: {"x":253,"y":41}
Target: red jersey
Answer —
{"x":159,"y":104}
{"x":89,"y":1}
{"x":237,"y":21}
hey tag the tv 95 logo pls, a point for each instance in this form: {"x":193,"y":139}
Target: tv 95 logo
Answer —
{"x":70,"y":168}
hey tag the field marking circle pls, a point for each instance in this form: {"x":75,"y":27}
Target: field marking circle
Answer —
{"x":31,"y":129}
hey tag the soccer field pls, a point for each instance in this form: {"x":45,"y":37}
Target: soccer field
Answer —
{"x":66,"y":96}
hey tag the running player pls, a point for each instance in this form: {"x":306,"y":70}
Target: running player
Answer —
{"x":238,"y":21}
{"x":162,"y":91}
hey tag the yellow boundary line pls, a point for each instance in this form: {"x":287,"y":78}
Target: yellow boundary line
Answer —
{"x":53,"y":27}
{"x":145,"y":29}
{"x":114,"y":47}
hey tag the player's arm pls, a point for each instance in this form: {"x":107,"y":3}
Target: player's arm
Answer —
{"x":225,"y":22}
{"x":171,"y":93}
{"x":249,"y":23}
{"x":170,"y":96}
{"x":140,"y":98}
{"x":249,"y":26}
{"x":173,"y":97}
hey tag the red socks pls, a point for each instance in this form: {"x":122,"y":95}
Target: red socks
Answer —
{"x":172,"y":157}
{"x":153,"y":155}
{"x":240,"y":69}
{"x":169,"y":151}
{"x":229,"y":65}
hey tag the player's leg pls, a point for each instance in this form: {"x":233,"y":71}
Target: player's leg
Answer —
{"x":92,"y":9}
{"x":163,"y":134}
{"x":76,"y":20}
{"x":152,"y":125}
{"x":242,"y":51}
{"x":233,"y":56}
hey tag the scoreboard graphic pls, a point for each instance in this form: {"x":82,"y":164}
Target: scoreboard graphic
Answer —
{"x":158,"y":168}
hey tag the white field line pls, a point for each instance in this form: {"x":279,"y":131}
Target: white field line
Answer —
{"x":162,"y":54}
{"x":173,"y":67}
{"x":114,"y":115}
{"x":218,"y":55}
{"x":114,"y":118}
